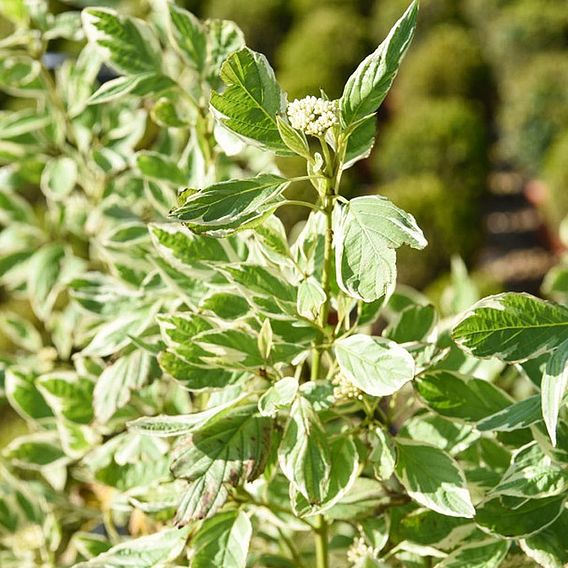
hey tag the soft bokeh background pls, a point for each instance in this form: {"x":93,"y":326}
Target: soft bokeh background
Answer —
{"x":473,"y":139}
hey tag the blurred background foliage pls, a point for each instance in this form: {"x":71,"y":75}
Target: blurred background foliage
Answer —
{"x":483,"y":95}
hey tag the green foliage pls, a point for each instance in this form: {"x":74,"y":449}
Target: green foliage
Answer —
{"x":432,"y":12}
{"x":312,"y":46}
{"x":534,"y":110}
{"x":555,"y":175}
{"x":200,"y":387}
{"x":451,"y":225}
{"x":523,"y":28}
{"x":443,"y":137}
{"x":447,"y":63}
{"x":260,"y":20}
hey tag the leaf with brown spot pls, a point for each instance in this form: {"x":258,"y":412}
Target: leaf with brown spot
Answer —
{"x":227,"y":451}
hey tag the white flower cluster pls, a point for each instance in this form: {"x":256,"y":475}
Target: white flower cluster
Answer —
{"x":360,"y":550}
{"x":312,"y":115}
{"x":345,"y":390}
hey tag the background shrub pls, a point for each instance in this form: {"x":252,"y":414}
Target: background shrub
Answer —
{"x":450,"y":225}
{"x":446,"y":137}
{"x":319,"y":45}
{"x":534,"y":109}
{"x":525,"y":28}
{"x":555,"y":175}
{"x":447,"y":63}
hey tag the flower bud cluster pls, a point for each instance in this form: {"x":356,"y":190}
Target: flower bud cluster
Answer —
{"x":360,"y":550}
{"x":312,"y":115}
{"x":345,"y":390}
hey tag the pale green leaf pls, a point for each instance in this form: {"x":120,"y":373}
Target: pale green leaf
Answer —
{"x":35,"y":451}
{"x":20,"y":331}
{"x":223,"y":38}
{"x":59,"y":177}
{"x":23,"y":395}
{"x":188,"y":37}
{"x":548,"y":547}
{"x":458,"y":396}
{"x":366,"y":232}
{"x":433,"y":479}
{"x":251,"y":101}
{"x":226,"y":207}
{"x":516,"y":416}
{"x":16,"y":123}
{"x":304,"y":454}
{"x":366,"y":89}
{"x":360,"y":141}
{"x":127,"y":43}
{"x":185,"y":250}
{"x":344,"y":470}
{"x":375,"y":365}
{"x":166,"y":113}
{"x":143,"y":552}
{"x":226,"y":305}
{"x":228,"y":450}
{"x":222,"y":541}
{"x":553,"y":387}
{"x":279,"y":395}
{"x":484,"y":554}
{"x":383,"y":454}
{"x":520,"y":521}
{"x":68,"y":395}
{"x":512,"y":326}
{"x":14,"y":208}
{"x":164,"y":426}
{"x":448,"y":435}
{"x":43,"y":274}
{"x":376,"y":531}
{"x":141,"y":84}
{"x":362,"y":500}
{"x":413,"y":323}
{"x":117,"y":333}
{"x":17,"y":71}
{"x":428,"y":528}
{"x":117,"y":382}
{"x":159,"y":167}
{"x":533,"y":475}
{"x":311,"y":297}
{"x":294,"y":139}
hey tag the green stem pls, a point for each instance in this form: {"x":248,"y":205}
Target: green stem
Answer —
{"x":322,"y":555}
{"x":302,"y":204}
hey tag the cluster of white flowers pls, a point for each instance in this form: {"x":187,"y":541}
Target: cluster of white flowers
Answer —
{"x":344,"y":389}
{"x":312,"y":115}
{"x":360,"y":550}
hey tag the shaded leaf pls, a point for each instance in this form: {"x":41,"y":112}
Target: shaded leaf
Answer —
{"x":229,"y":450}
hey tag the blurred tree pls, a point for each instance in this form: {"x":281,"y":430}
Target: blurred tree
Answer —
{"x":324,"y":45}
{"x":446,"y":137}
{"x":524,"y":28}
{"x":534,"y":109}
{"x":386,"y":12}
{"x":555,"y":175}
{"x":264,"y":22}
{"x":304,"y":7}
{"x":447,"y":63}
{"x":450,"y":224}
